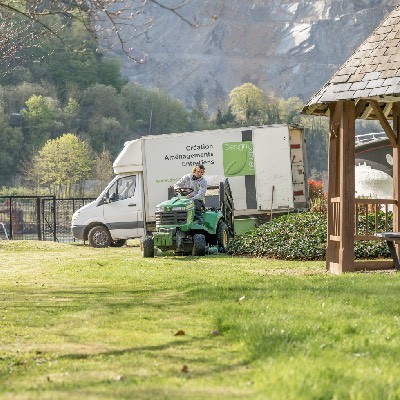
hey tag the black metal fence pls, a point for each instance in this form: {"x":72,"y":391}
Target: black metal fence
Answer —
{"x":38,"y":217}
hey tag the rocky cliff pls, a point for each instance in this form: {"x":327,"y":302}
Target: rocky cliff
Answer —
{"x":286,"y":46}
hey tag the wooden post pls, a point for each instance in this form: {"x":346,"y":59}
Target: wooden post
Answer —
{"x":396,"y":170}
{"x":347,"y":187}
{"x":332,"y":248}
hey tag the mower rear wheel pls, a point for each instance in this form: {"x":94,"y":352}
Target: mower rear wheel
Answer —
{"x":147,"y":246}
{"x":199,"y":245}
{"x":222,"y":236}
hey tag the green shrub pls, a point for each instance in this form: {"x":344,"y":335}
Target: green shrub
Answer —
{"x":299,"y":236}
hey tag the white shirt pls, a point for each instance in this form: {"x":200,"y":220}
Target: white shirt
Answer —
{"x":199,"y":186}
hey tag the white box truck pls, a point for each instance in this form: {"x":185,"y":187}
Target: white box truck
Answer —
{"x":265,"y":166}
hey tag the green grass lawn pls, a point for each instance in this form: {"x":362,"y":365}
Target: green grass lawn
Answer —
{"x":84,"y":323}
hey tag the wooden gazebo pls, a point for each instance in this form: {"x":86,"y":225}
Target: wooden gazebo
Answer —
{"x":367,"y":86}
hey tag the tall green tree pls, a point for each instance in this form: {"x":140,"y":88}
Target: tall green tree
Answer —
{"x":11,"y":146}
{"x":199,"y":119}
{"x":103,"y":170}
{"x":101,"y":100}
{"x":107,"y":132}
{"x":14,"y":97}
{"x":248,"y":104}
{"x":63,"y":164}
{"x":225,"y":119}
{"x":290,"y":109}
{"x":166,"y":115}
{"x":316,"y":133}
{"x":153,"y":111}
{"x":40,"y":122}
{"x":70,"y":113}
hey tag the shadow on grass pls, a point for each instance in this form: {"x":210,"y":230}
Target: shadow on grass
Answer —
{"x":175,"y":353}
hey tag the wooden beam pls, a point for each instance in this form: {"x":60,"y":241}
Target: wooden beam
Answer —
{"x":360,"y":107}
{"x":367,"y":112}
{"x":334,"y":122}
{"x":347,"y":186}
{"x":310,"y":109}
{"x":396,"y":171}
{"x":387,"y":109}
{"x":373,"y":265}
{"x":332,"y":247}
{"x":384,"y":122}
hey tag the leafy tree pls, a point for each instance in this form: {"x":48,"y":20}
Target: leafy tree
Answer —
{"x":273,"y":109}
{"x":110,"y":73}
{"x":166,"y":115}
{"x":65,"y":67}
{"x":39,"y":120}
{"x":316,"y":132}
{"x":135,"y":101}
{"x":11,"y":140}
{"x":152,"y":111}
{"x":248,"y":104}
{"x":70,"y":114}
{"x":100,"y":100}
{"x":290,"y":109}
{"x":199,"y":119}
{"x":103,"y":169}
{"x":14,"y":98}
{"x":63,"y":163}
{"x":106,"y":132}
{"x":225,"y":119}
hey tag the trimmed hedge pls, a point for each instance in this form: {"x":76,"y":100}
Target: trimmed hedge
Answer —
{"x":300,"y":236}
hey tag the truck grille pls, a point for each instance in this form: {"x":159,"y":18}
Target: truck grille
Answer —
{"x":171,"y":218}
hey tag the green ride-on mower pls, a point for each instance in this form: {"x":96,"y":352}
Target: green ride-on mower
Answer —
{"x":177,"y":228}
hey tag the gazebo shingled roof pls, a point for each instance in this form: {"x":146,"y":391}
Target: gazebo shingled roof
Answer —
{"x":372,"y":72}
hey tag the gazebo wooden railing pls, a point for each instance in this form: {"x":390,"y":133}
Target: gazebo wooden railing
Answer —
{"x":364,"y":209}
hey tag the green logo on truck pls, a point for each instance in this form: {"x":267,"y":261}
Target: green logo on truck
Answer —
{"x":238,"y":158}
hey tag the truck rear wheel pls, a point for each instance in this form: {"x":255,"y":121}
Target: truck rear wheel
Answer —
{"x":222,"y":236}
{"x":99,"y":236}
{"x":147,"y":246}
{"x":199,"y":245}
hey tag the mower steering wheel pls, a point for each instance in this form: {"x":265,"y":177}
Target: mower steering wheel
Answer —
{"x":183,"y":191}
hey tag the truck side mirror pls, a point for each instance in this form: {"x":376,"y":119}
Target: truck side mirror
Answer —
{"x":106,"y":198}
{"x":113,"y":198}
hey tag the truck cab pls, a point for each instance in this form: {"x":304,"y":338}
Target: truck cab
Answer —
{"x":115,"y":216}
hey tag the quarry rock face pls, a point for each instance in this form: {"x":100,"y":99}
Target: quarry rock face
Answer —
{"x":288,"y":47}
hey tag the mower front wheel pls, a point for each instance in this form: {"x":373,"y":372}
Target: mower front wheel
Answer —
{"x":199,"y":245}
{"x":147,"y":246}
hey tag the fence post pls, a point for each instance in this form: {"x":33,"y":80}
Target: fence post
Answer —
{"x":54,"y":219}
{"x":38,"y":219}
{"x":10,"y":216}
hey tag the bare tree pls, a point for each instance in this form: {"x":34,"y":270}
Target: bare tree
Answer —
{"x":25,"y":23}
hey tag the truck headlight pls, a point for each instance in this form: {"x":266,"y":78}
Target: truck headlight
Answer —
{"x":75,"y":216}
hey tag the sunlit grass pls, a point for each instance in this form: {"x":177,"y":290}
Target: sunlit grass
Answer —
{"x":78,"y":322}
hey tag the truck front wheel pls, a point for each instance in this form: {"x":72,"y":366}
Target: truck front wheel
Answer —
{"x":199,"y":245}
{"x":222,"y":236}
{"x":147,"y":246}
{"x":99,"y":236}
